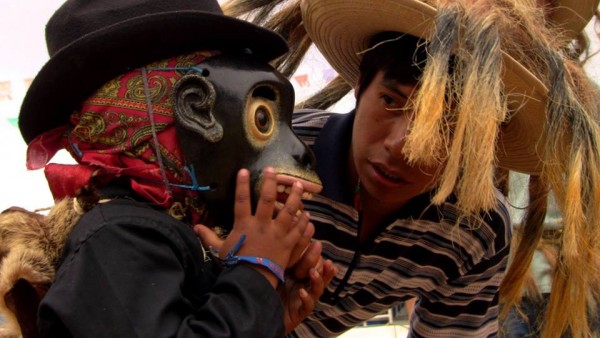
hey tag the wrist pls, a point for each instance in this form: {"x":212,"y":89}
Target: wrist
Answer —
{"x":271,"y":267}
{"x":272,"y":271}
{"x":266,"y":273}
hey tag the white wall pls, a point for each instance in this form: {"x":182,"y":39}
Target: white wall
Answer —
{"x":23,"y":54}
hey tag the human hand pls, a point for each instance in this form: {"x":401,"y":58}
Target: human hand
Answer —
{"x":209,"y":238}
{"x":304,"y":285}
{"x":305,"y":281}
{"x":274,"y":239}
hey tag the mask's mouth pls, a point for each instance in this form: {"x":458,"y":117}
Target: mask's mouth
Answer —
{"x":284,"y":186}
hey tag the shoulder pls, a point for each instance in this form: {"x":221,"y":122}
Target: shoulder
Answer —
{"x":121,"y":212}
{"x":122,"y":221}
{"x":127,"y":210}
{"x":310,"y":118}
{"x":309,"y":123}
{"x":489,"y":232}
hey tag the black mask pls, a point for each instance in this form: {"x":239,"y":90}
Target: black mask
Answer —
{"x":237,"y":114}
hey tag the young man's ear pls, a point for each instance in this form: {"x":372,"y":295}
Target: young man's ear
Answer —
{"x":356,"y":87}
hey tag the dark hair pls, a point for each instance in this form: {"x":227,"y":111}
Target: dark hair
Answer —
{"x":400,"y":56}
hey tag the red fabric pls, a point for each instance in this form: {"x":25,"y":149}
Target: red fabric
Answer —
{"x":44,"y":147}
{"x":112,"y":135}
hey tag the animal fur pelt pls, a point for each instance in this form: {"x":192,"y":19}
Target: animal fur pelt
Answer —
{"x":30,"y":246}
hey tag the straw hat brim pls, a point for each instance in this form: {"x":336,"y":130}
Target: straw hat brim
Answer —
{"x":341,"y":29}
{"x":573,"y":15}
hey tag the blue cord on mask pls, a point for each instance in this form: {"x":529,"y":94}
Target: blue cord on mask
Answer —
{"x":194,"y":186}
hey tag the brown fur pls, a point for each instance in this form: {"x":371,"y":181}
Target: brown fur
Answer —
{"x":30,"y":245}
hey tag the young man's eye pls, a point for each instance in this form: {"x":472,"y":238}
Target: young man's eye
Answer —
{"x":388,"y":100}
{"x":391,"y":102}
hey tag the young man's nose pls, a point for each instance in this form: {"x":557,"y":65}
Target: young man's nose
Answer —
{"x":396,"y":138}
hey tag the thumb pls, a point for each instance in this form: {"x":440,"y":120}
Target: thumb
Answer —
{"x":208,"y":236}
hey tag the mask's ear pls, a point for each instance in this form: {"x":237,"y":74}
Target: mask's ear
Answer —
{"x":194,"y":102}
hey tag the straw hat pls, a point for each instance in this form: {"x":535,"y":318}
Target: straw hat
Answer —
{"x":573,"y":15}
{"x":341,"y":29}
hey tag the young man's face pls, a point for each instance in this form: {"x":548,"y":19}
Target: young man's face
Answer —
{"x":378,"y":138}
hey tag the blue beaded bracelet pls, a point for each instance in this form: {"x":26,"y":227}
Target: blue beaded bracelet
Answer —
{"x":231,"y":259}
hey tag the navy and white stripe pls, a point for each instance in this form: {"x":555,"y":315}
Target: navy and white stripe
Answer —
{"x":454,"y":269}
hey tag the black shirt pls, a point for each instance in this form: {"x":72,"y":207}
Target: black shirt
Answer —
{"x":129,"y":270}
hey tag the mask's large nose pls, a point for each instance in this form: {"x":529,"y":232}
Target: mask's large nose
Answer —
{"x":303,"y":155}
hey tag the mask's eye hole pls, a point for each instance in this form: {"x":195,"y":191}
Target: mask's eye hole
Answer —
{"x":263,"y":119}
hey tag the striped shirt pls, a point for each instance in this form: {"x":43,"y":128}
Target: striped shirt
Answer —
{"x":454,"y":269}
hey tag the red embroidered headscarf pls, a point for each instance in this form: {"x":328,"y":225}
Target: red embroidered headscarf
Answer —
{"x":124,"y":130}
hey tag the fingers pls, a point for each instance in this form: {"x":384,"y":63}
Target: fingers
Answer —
{"x":208,"y":237}
{"x":273,"y":238}
{"x":308,"y":303}
{"x":317,"y":284}
{"x":303,"y":243}
{"x":310,"y":259}
{"x":294,"y":221}
{"x":329,"y":271}
{"x":318,"y":281}
{"x":302,"y":222}
{"x":242,"y":207}
{"x":300,"y":296}
{"x":289,"y":215}
{"x":292,"y":205}
{"x":268,"y":195}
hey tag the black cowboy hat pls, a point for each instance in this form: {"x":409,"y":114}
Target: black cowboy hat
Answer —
{"x":92,"y":41}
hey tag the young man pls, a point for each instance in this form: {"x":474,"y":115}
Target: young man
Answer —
{"x":376,"y":219}
{"x":160,"y":111}
{"x":409,"y":206}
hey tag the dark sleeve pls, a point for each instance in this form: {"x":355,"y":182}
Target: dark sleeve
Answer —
{"x":127,"y":279}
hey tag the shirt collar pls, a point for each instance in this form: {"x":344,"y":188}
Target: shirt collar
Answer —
{"x":331,"y":149}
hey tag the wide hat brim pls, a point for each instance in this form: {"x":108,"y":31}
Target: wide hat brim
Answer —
{"x":341,"y":29}
{"x":573,"y":15}
{"x":76,"y":71}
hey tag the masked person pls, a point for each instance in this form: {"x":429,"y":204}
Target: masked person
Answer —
{"x":448,"y":95}
{"x":161,"y":103}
